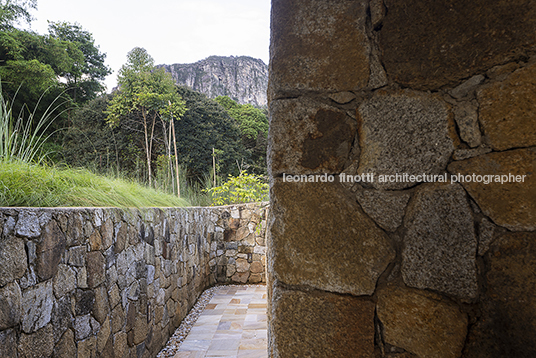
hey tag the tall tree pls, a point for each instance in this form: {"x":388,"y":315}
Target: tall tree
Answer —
{"x":85,"y":76}
{"x":147,"y":93}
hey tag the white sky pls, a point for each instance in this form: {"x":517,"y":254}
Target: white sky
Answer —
{"x":172,"y":31}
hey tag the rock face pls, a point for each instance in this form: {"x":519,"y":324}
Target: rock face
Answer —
{"x":341,"y":249}
{"x":329,"y":316}
{"x":243,"y":79}
{"x":510,"y":204}
{"x":507,"y":110}
{"x":404,"y":132}
{"x":427,"y":46}
{"x":313,"y":136}
{"x":440,"y":243}
{"x":507,"y":327}
{"x":419,"y":103}
{"x":421,"y":323}
{"x":300,"y":58}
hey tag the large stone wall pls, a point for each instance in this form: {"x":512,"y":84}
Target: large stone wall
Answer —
{"x":116,"y":283}
{"x":402,"y":267}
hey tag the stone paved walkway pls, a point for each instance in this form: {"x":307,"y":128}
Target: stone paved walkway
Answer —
{"x":233,"y":324}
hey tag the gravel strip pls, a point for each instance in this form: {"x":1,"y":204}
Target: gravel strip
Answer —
{"x":175,"y":341}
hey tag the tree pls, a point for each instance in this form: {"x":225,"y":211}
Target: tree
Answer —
{"x":253,"y":125}
{"x":204,"y":126}
{"x":11,"y":11}
{"x":87,"y":71}
{"x":147,"y":93}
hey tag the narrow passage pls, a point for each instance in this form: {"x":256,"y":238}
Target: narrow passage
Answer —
{"x":233,"y":324}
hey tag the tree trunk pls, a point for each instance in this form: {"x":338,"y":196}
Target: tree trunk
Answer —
{"x":176,"y":159}
{"x":147,"y":149}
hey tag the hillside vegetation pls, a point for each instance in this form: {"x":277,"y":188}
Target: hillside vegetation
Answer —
{"x":150,"y":131}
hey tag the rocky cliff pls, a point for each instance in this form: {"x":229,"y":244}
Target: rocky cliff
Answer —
{"x":244,"y":79}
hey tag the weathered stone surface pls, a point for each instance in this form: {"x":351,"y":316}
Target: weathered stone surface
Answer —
{"x":307,"y":136}
{"x":338,"y":249}
{"x":241,"y":277}
{"x":255,"y":278}
{"x":440,"y":243}
{"x":49,"y":250}
{"x":507,"y":110}
{"x":428,"y":46}
{"x":95,"y":269}
{"x":84,"y":302}
{"x":28,"y":225}
{"x":299,"y":57}
{"x":10,"y":305}
{"x":256,"y":267}
{"x":37,"y":345}
{"x":386,"y":208}
{"x":103,"y":335}
{"x":120,"y":344}
{"x":466,"y":116}
{"x":461,"y":154}
{"x":107,"y":233}
{"x":76,"y":256}
{"x":342,"y":97}
{"x":84,"y":326}
{"x":403,"y":132}
{"x":511,"y":205}
{"x":101,"y":309}
{"x":118,"y":318}
{"x":467,"y":88}
{"x":421,"y":323}
{"x":64,"y":281}
{"x":13,"y":259}
{"x":95,"y":241}
{"x":507,"y":326}
{"x":66,"y":348}
{"x":87,"y":349}
{"x":62,"y":316}
{"x":317,"y":324}
{"x":242,"y":265}
{"x":121,"y":237}
{"x":486,"y":234}
{"x":37,"y":303}
{"x":8,"y":343}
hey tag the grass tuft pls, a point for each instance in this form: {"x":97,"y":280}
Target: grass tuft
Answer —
{"x":31,"y":185}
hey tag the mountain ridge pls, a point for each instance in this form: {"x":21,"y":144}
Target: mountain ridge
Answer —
{"x":242,"y":78}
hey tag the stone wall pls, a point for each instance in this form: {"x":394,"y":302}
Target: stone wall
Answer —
{"x":116,"y":283}
{"x":402,"y":267}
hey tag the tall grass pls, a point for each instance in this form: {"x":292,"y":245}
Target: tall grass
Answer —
{"x":22,"y":138}
{"x":26,"y":184}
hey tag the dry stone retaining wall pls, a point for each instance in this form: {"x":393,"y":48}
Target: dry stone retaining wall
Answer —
{"x":116,"y":283}
{"x":402,"y":268}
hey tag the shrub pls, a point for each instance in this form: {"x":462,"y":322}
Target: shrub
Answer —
{"x":244,"y":188}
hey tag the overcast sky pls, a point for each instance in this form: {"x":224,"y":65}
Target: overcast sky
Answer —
{"x":172,"y":31}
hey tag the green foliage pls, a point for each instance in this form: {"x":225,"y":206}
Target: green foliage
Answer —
{"x":90,"y":142}
{"x":253,"y":124}
{"x":24,"y":184}
{"x":207,"y":125}
{"x":244,"y":188}
{"x":145,"y":93}
{"x":87,"y":69}
{"x":251,"y":120}
{"x":12,"y":11}
{"x":22,"y":139}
